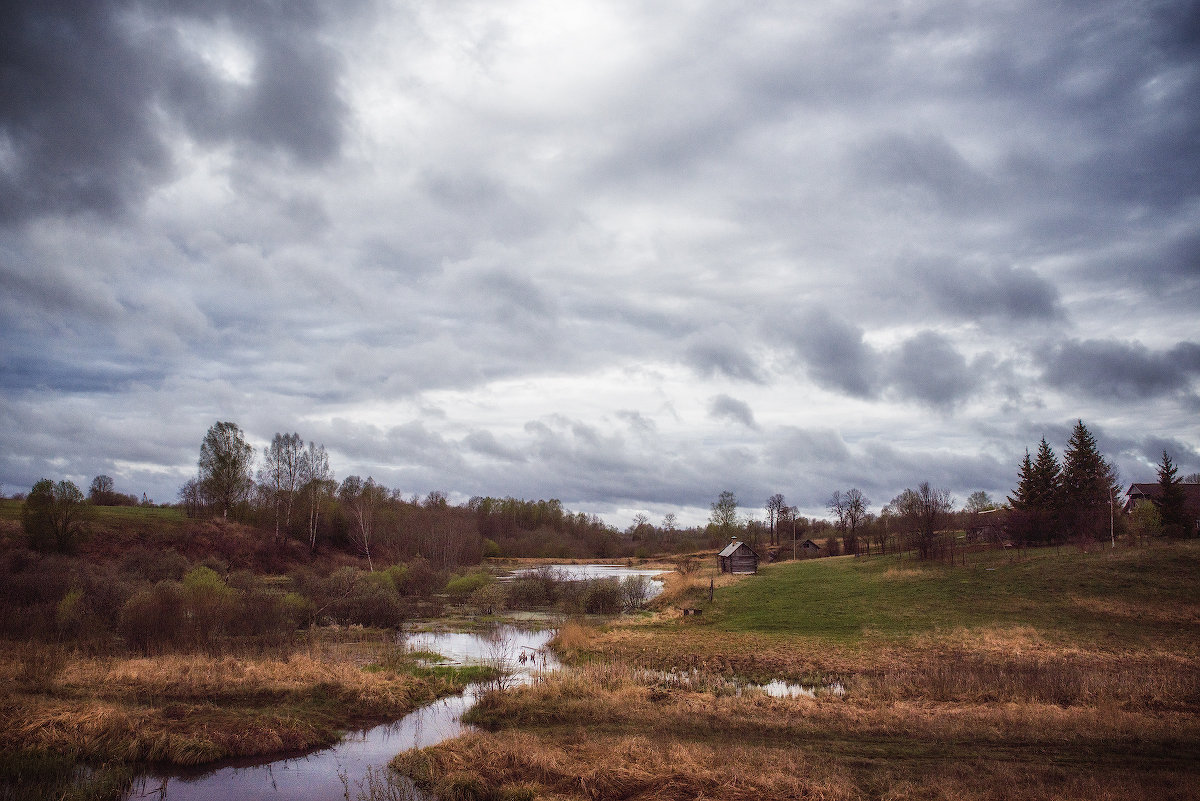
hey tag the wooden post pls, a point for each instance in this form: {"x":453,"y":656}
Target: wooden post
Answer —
{"x":711,"y":587}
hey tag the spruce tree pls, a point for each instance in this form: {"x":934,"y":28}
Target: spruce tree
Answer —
{"x":1173,"y":520}
{"x":1047,"y":478}
{"x":1022,"y":497}
{"x":1087,"y":485}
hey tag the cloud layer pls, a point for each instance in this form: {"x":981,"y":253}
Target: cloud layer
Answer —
{"x":625,"y":257}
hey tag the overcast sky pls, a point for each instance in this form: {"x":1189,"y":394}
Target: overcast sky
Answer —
{"x":623,"y":254}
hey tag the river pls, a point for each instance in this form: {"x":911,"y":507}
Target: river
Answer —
{"x":326,"y":774}
{"x":330,"y":772}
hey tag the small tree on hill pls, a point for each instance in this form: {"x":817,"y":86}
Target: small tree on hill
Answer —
{"x":924,"y":512}
{"x":225,"y":466}
{"x":54,"y":516}
{"x":101,"y":492}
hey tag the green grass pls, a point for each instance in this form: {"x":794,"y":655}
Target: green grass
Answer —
{"x":1064,"y":594}
{"x":11,"y":510}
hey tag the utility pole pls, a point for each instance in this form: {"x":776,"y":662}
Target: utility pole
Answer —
{"x":794,"y":511}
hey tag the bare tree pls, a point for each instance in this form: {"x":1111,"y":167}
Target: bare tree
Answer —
{"x":101,"y":492}
{"x":850,"y":507}
{"x":191,"y":495}
{"x":856,"y":510}
{"x":280,"y":473}
{"x":924,"y":512}
{"x":669,"y":525}
{"x":363,"y":499}
{"x":775,"y":506}
{"x":317,"y":482}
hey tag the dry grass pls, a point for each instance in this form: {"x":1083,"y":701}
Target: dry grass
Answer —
{"x":690,"y":589}
{"x":610,"y":732}
{"x":190,"y":709}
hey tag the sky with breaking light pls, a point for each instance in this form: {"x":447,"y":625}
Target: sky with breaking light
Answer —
{"x":623,"y":254}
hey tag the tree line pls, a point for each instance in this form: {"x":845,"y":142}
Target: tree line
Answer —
{"x":293,"y":492}
{"x":1076,"y":500}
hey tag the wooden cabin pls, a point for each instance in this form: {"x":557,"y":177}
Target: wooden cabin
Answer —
{"x":810,"y":548}
{"x":738,"y":557}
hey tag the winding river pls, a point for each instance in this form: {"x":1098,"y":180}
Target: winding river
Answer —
{"x":330,"y":772}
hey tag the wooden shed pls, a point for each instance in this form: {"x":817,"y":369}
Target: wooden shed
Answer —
{"x":738,"y":557}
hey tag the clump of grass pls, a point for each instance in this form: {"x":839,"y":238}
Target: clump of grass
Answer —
{"x":39,"y":665}
{"x":572,"y":639}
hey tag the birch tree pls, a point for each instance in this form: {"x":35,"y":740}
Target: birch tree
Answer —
{"x":363,"y":499}
{"x":317,"y":484}
{"x":281,"y":475}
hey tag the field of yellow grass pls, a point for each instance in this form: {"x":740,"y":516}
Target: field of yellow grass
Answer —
{"x":1059,"y":675}
{"x":188,"y":709}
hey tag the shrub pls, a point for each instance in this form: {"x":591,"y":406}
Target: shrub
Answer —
{"x":526,"y":593}
{"x":421,"y":578}
{"x":150,"y":618}
{"x":209,"y":605}
{"x":350,"y":596}
{"x":602,"y":597}
{"x":462,"y":586}
{"x":153,"y":566}
{"x":635,"y":592}
{"x":489,"y":599}
{"x":69,"y":615}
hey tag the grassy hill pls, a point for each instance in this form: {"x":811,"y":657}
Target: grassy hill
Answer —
{"x":1046,"y":674}
{"x":1124,"y":598}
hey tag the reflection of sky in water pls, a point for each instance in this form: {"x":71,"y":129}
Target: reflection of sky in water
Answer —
{"x":504,"y":642}
{"x":581,"y":572}
{"x":314,"y":777}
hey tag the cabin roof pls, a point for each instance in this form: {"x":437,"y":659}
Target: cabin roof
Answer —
{"x":733,"y":546}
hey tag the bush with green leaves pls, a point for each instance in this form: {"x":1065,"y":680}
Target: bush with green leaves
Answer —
{"x":459,"y":587}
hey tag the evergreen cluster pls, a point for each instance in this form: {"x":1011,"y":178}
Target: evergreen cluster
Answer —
{"x":1073,"y":500}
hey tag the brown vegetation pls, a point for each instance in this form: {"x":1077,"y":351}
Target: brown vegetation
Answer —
{"x":188,"y":708}
{"x":610,"y":732}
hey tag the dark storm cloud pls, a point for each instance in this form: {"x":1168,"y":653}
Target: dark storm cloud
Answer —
{"x":1007,"y":293}
{"x":1122,"y":371}
{"x":835,"y":354}
{"x":926,"y":164}
{"x":927,"y":368}
{"x":724,"y":407}
{"x":486,"y":444}
{"x":371,"y":228}
{"x":41,"y":372}
{"x":82,"y":85}
{"x":719,"y":351}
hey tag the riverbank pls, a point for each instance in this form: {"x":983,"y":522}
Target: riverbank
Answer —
{"x":1050,"y":675}
{"x":191,"y":709}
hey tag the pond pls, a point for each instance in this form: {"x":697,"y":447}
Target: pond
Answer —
{"x":328,"y":773}
{"x":589,"y":572}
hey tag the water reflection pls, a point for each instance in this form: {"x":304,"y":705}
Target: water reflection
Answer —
{"x":328,"y":773}
{"x":589,"y":572}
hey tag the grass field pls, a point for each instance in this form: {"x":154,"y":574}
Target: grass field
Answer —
{"x":1047,"y":674}
{"x":59,"y":707}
